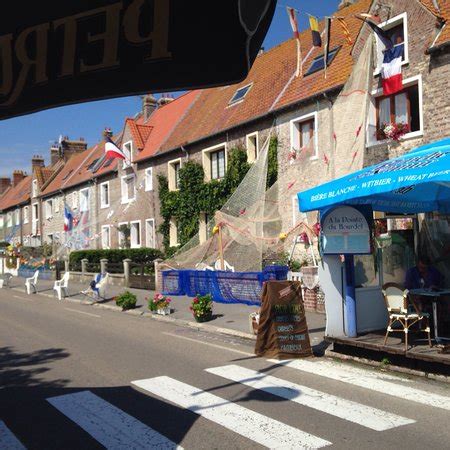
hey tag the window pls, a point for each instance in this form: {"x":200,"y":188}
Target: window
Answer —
{"x":50,"y":238}
{"x":217,"y":164}
{"x":2,"y":221}
{"x":318,"y":62}
{"x":104,"y":194}
{"x":17,"y":216}
{"x":304,"y":135}
{"x":75,"y":200}
{"x":252,"y":146}
{"x":128,"y":152}
{"x":173,"y":233}
{"x":214,"y":162}
{"x":148,"y":180}
{"x":403,"y":107}
{"x":397,"y":30}
{"x":203,"y":227}
{"x":135,"y":234}
{"x":9,"y":220}
{"x":35,"y":219}
{"x":84,"y":200}
{"x":128,"y":188}
{"x":240,"y":94}
{"x":173,"y":168}
{"x":150,"y":240}
{"x":49,"y":209}
{"x":122,"y":237}
{"x":106,"y":236}
{"x":34,"y":189}
{"x":56,"y":202}
{"x":25,"y":214}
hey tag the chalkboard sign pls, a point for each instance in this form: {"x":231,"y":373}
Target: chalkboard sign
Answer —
{"x":282,"y":331}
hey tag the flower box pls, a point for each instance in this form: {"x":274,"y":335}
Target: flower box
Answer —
{"x":163,"y":311}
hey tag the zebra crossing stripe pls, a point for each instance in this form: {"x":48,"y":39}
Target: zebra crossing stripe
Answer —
{"x":250,"y":424}
{"x":109,"y":425}
{"x":8,"y":440}
{"x":368,"y":380}
{"x":366,"y":416}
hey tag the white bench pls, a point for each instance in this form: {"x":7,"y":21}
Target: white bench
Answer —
{"x":62,"y":286}
{"x":32,"y":283}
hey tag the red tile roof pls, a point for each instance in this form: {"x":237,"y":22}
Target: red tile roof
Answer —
{"x":16,"y":195}
{"x":273,"y":84}
{"x":443,"y":15}
{"x":139,"y":132}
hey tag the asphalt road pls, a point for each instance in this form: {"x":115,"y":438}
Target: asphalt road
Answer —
{"x":77,"y":377}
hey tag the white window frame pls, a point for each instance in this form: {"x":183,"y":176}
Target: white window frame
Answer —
{"x":372,"y":110}
{"x":119,"y":234}
{"x":135,"y":245}
{"x":88,"y":199}
{"x":75,"y":200}
{"x":152,"y":228}
{"x":236,"y":102}
{"x":252,"y":158}
{"x":206,"y":158}
{"x":9,"y":220}
{"x":295,"y":132}
{"x":49,"y":208}
{"x":173,"y":233}
{"x":102,"y":202}
{"x":127,"y":148}
{"x":26,"y":212}
{"x":123,"y":190}
{"x":108,"y":244}
{"x":35,"y":219}
{"x":17,"y":216}
{"x":148,"y":179}
{"x":34,"y":188}
{"x":172,"y":174}
{"x":2,"y":221}
{"x":391,"y":23}
{"x":56,"y":202}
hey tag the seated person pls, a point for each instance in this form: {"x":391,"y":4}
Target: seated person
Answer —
{"x":423,"y":275}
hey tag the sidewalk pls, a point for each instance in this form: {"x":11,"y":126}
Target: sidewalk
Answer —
{"x":226,"y":317}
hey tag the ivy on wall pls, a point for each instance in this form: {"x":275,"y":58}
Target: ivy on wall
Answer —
{"x":195,"y":196}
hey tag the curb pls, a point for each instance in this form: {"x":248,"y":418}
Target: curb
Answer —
{"x":180,"y":322}
{"x":387,"y":368}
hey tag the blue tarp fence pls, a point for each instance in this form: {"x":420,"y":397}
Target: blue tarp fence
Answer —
{"x":225,"y":287}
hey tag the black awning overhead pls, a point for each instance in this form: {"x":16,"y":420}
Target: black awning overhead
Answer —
{"x":56,"y":53}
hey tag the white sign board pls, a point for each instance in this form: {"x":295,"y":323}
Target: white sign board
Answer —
{"x":345,"y":231}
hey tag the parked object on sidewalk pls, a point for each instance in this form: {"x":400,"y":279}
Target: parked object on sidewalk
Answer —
{"x":5,"y":280}
{"x":201,"y":308}
{"x":282,"y":331}
{"x":31,"y":283}
{"x":253,"y":319}
{"x":160,"y":304}
{"x":397,"y":305}
{"x":62,"y":286}
{"x":126,"y":300}
{"x":100,"y":288}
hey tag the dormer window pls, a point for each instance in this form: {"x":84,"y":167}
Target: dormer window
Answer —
{"x":240,"y":94}
{"x":318,"y":62}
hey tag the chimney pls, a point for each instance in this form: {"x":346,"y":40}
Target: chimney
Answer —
{"x":37,"y":161}
{"x":18,"y":176}
{"x":70,"y":147}
{"x":345,"y":3}
{"x":5,"y":183}
{"x":55,"y":154}
{"x":149,"y":104}
{"x":165,"y":99}
{"x":107,"y":133}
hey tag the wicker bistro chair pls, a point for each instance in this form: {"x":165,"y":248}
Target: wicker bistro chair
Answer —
{"x":396,"y":299}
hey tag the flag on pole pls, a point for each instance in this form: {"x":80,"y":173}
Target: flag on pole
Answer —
{"x":314,"y":25}
{"x":68,"y":219}
{"x":391,"y":70}
{"x":112,"y":151}
{"x":327,"y":44}
{"x":294,"y":25}
{"x":345,"y":29}
{"x":382,"y":35}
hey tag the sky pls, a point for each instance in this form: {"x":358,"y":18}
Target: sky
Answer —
{"x":25,"y":136}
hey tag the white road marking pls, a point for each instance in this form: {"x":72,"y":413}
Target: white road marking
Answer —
{"x":23,"y":298}
{"x":252,"y":425}
{"x":109,"y":425}
{"x":82,"y":312}
{"x":373,"y":418}
{"x":8,"y":440}
{"x":209,"y":344}
{"x":368,"y":380}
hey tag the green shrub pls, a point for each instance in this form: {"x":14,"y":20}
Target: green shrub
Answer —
{"x":137,"y":255}
{"x":126,"y":300}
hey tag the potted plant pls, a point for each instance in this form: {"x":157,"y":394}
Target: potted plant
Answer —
{"x":160,"y":304}
{"x":126,"y":300}
{"x":201,"y":308}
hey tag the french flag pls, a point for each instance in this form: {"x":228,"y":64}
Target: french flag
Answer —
{"x":68,"y":219}
{"x":391,"y":70}
{"x":112,"y":151}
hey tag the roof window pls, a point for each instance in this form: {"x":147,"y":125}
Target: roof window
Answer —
{"x":318,"y":62}
{"x":240,"y":94}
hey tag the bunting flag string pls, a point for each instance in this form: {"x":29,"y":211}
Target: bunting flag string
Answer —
{"x":294,"y":25}
{"x":327,"y":44}
{"x":345,"y":29}
{"x":314,"y":26}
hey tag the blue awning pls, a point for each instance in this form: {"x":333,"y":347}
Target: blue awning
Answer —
{"x":418,"y":181}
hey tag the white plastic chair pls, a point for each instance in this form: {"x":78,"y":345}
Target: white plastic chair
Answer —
{"x":226,"y":266}
{"x":5,"y":280}
{"x":101,"y":286}
{"x":294,"y":276}
{"x":32,"y":283}
{"x":62,"y":286}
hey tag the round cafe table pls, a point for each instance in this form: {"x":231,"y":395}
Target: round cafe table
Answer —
{"x":434,"y":297}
